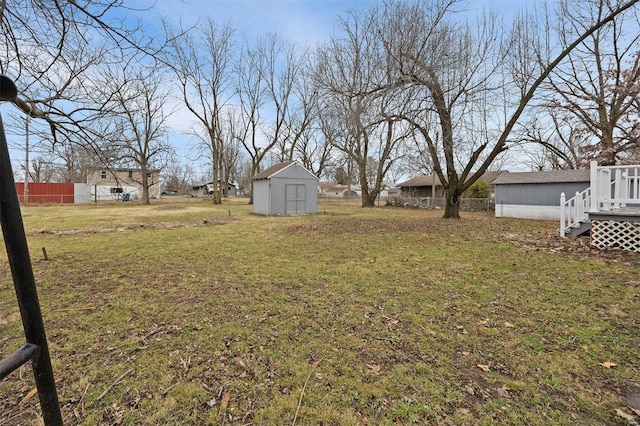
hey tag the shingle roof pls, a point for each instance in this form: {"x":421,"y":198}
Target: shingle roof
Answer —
{"x":424,"y":180}
{"x":326,"y":185}
{"x":552,"y":176}
{"x":267,"y":173}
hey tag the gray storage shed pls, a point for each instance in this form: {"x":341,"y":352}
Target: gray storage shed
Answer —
{"x":285,"y":188}
{"x":536,"y":195}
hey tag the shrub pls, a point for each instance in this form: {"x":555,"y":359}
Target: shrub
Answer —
{"x":479,"y":189}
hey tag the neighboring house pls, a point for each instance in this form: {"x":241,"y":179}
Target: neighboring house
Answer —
{"x":429,"y":186}
{"x":536,"y":195}
{"x":392,"y":192}
{"x":113,"y":184}
{"x":206,"y":188}
{"x":422,"y":187}
{"x":334,"y":190}
{"x":285,"y":188}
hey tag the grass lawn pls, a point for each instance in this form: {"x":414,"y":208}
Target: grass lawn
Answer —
{"x":189,"y":313}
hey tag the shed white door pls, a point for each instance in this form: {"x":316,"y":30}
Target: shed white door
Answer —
{"x":295,"y":198}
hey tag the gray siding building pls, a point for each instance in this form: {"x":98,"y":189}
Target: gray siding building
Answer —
{"x":536,"y":195}
{"x":285,"y":188}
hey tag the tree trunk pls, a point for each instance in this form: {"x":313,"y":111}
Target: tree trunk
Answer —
{"x":255,"y":169}
{"x":216,"y":175}
{"x":367,"y":201}
{"x":145,"y":186}
{"x":452,"y":204}
{"x":364,"y":183}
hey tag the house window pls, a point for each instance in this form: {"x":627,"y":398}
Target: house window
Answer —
{"x":130,"y":174}
{"x":116,"y":190}
{"x":103,"y":174}
{"x":148,"y":175}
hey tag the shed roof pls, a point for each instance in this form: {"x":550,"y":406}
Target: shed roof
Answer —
{"x":277,"y":168}
{"x":551,"y":176}
{"x":270,"y":171}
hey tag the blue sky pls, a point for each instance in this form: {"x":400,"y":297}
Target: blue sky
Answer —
{"x":303,"y":21}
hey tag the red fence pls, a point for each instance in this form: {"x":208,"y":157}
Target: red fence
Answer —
{"x":46,"y":193}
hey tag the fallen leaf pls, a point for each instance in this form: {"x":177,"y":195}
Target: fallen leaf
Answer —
{"x":465,"y":353}
{"x":374,"y":368}
{"x":503,"y":392}
{"x":625,"y":415}
{"x":483,"y":367}
{"x":508,"y":325}
{"x":29,"y":395}
{"x":225,"y":401}
{"x":608,"y":364}
{"x":469,"y":390}
{"x":463,"y":410}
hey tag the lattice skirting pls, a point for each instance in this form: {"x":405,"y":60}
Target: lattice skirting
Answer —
{"x":612,"y":234}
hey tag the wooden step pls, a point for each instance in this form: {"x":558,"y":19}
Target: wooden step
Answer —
{"x":580,"y":229}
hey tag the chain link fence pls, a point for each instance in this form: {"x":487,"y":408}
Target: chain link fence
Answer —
{"x":428,"y":203}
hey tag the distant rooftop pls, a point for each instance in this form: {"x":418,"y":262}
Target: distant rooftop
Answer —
{"x":551,"y":176}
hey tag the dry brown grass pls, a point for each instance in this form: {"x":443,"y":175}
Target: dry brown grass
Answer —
{"x":213,"y":315}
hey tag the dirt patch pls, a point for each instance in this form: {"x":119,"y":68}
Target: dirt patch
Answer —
{"x":138,"y":227}
{"x":632,"y":398}
{"x":171,"y":207}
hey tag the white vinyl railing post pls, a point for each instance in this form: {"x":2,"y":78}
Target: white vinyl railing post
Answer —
{"x":593,"y":207}
{"x":562,"y":214}
{"x":617,"y":190}
{"x":605,"y":190}
{"x":579,"y":207}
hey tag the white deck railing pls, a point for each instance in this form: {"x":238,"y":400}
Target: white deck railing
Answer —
{"x":615,"y":187}
{"x":574,"y":210}
{"x":612,"y":187}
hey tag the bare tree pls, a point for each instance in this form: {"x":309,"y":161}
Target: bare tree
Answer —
{"x":51,"y":49}
{"x":288,"y":100}
{"x":203,"y":65}
{"x":595,"y":87}
{"x":177,"y":177}
{"x":266,"y":91}
{"x":77,"y":161}
{"x":41,"y":170}
{"x":251,"y":96}
{"x":314,"y":150}
{"x":302,"y":111}
{"x":351,"y":68}
{"x":459,"y":71}
{"x":137,"y":122}
{"x":553,"y":141}
{"x":231,"y":148}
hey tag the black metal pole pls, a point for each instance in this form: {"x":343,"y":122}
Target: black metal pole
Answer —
{"x":18,"y":253}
